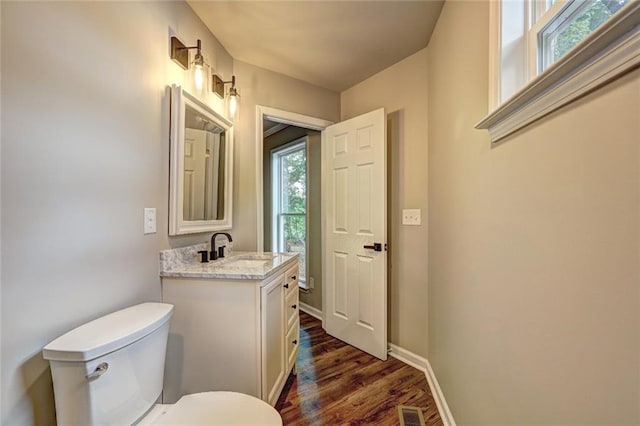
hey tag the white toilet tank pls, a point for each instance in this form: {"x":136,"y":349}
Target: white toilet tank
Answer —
{"x":110,"y":370}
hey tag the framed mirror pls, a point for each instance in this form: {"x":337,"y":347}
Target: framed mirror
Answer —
{"x":201,"y":167}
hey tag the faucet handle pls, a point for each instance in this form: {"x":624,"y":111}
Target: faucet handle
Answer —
{"x":203,"y":256}
{"x":213,"y":255}
{"x":221,"y":251}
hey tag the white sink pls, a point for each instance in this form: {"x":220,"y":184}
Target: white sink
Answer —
{"x":246,"y":263}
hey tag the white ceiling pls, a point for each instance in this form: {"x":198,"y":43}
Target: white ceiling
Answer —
{"x":332,"y":44}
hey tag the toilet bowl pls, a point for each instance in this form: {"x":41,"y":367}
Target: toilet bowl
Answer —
{"x":110,"y":372}
{"x":213,"y":408}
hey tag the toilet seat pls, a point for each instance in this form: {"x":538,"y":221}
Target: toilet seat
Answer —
{"x":220,"y":408}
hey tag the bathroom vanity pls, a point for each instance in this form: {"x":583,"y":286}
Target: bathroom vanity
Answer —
{"x":235,"y":325}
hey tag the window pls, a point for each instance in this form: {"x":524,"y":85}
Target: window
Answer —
{"x":289,"y":171}
{"x":564,"y":24}
{"x":546,"y":53}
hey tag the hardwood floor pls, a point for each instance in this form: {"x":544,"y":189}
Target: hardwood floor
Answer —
{"x":338,"y":384}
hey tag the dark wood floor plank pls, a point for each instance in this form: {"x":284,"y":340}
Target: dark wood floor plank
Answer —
{"x":338,"y":384}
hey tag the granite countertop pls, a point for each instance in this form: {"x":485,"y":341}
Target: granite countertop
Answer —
{"x":184,"y":263}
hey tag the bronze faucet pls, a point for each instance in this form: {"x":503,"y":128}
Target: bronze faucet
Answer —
{"x":220,"y":253}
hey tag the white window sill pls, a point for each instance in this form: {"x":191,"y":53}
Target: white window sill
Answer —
{"x":303,"y":284}
{"x":610,"y":51}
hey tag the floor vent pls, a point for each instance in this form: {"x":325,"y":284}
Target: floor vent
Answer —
{"x":410,"y":416}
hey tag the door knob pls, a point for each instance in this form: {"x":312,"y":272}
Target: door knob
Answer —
{"x":375,"y":247}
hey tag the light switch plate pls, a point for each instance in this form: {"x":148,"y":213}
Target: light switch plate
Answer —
{"x":149,"y":220}
{"x":411,"y":217}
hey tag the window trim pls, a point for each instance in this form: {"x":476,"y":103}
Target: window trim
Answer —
{"x":611,"y":50}
{"x":300,"y":144}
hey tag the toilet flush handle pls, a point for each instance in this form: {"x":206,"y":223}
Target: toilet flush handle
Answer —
{"x":99,"y":371}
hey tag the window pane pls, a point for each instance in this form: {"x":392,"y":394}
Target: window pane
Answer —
{"x":294,"y":229}
{"x":294,"y":182}
{"x":540,"y":7}
{"x":579,"y":24}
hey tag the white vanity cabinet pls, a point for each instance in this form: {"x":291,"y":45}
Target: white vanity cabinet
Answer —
{"x":231,"y":334}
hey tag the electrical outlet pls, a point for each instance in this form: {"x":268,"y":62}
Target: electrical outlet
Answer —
{"x":411,"y":217}
{"x":311,"y":282}
{"x":149,"y":220}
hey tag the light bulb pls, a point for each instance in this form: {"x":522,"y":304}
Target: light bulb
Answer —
{"x":199,"y":76}
{"x":233,"y":99}
{"x":233,"y":106}
{"x":198,"y":71}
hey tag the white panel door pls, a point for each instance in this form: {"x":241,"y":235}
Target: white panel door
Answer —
{"x":194,"y":173}
{"x":212,"y":172}
{"x":355,"y":206}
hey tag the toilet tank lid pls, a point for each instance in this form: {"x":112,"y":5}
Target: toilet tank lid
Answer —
{"x":108,"y":333}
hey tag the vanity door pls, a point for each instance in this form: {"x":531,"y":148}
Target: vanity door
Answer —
{"x":273,"y":348}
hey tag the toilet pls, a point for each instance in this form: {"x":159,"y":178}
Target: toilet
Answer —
{"x":110,"y":372}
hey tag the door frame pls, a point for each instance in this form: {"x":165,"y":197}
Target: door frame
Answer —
{"x":283,"y":117}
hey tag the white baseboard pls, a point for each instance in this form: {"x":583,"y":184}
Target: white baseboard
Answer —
{"x":314,"y":312}
{"x":408,"y":357}
{"x":443,"y":407}
{"x":422,"y":364}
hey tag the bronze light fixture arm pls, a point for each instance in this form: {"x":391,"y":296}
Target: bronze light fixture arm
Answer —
{"x":218,"y":85}
{"x":180,"y":52}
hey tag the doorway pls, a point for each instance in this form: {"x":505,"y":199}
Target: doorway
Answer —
{"x":281,"y":130}
{"x":353,"y":215}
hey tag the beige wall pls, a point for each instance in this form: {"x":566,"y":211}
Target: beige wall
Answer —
{"x":402,"y":91}
{"x":534,"y":247}
{"x":314,"y":216}
{"x":85,"y":143}
{"x":266,"y":88}
{"x":314,"y":191}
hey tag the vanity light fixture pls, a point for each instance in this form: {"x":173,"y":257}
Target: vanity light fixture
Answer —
{"x":180,"y":54}
{"x":233,"y":95}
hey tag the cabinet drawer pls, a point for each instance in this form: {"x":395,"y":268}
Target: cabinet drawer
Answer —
{"x":292,"y":342}
{"x":291,"y":279}
{"x":291,"y":307}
